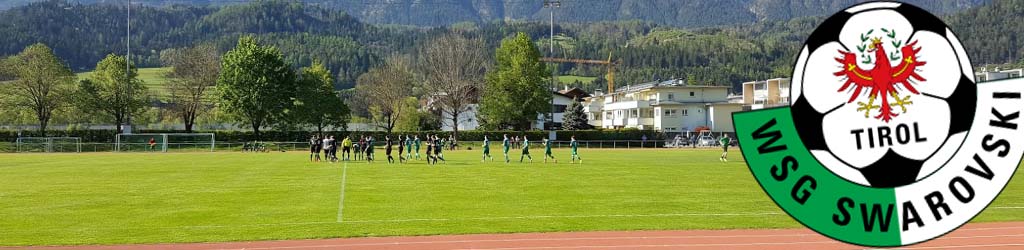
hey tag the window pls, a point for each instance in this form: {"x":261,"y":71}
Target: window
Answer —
{"x":671,"y":96}
{"x":633,"y":113}
{"x":684,"y":112}
{"x":671,"y":112}
{"x":559,"y":108}
{"x":691,"y":94}
{"x":608,"y":115}
{"x":670,"y":129}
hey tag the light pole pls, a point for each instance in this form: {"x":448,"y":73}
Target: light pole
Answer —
{"x":551,"y":5}
{"x":128,"y":71}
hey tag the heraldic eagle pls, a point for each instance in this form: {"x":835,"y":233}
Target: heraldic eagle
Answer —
{"x":881,"y":80}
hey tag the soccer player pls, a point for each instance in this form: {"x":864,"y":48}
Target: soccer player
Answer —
{"x":506,"y":144}
{"x":725,"y":147}
{"x":416,"y":143}
{"x":487,"y":150}
{"x":152,"y":144}
{"x":387,"y":149}
{"x":408,"y":148}
{"x":401,"y":149}
{"x":357,"y":148}
{"x":326,"y":142}
{"x":346,"y":148}
{"x":430,"y":151}
{"x":369,"y":149}
{"x":314,"y":149}
{"x":438,"y":145}
{"x":334,"y":149}
{"x":526,"y":150}
{"x":547,"y":151}
{"x":574,"y":145}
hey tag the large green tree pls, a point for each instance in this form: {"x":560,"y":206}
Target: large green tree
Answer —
{"x":41,"y":83}
{"x":255,"y":84}
{"x":194,"y":72}
{"x":113,"y":90}
{"x":317,"y":104}
{"x":516,"y":90}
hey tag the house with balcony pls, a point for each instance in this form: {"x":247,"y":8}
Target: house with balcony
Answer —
{"x":766,"y":94}
{"x":668,"y":106}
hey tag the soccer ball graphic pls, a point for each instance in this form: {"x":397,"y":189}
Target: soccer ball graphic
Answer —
{"x":883,"y":94}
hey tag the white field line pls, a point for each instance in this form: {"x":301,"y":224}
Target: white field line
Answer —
{"x":570,"y":216}
{"x":716,"y":245}
{"x":341,"y":200}
{"x":480,"y":219}
{"x":969,"y":246}
{"x":530,"y":240}
{"x":1007,"y":207}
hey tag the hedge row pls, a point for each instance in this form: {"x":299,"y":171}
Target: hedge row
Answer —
{"x":296,"y":136}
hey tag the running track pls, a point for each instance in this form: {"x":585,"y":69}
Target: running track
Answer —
{"x":1004,"y":235}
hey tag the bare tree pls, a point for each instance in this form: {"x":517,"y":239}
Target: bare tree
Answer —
{"x":385,"y":89}
{"x":195,"y":71}
{"x":454,"y":67}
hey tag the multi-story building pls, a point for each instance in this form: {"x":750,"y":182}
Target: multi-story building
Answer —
{"x":997,"y":74}
{"x":669,"y":106}
{"x":766,"y":94}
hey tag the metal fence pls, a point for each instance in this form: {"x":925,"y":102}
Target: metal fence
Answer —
{"x":11,"y":147}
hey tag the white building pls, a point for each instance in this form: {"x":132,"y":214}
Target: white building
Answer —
{"x":766,"y":94}
{"x":562,"y":101}
{"x":668,"y":106}
{"x":467,"y":119}
{"x":985,"y":75}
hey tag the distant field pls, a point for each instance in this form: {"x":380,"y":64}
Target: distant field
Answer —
{"x":571,"y":79}
{"x":154,"y":78}
{"x":107,"y":198}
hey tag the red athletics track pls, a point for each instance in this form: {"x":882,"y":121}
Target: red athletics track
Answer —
{"x":1003,"y":235}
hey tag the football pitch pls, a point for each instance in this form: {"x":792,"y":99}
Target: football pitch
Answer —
{"x":113,"y":198}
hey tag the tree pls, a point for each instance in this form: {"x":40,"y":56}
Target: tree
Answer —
{"x":41,"y":83}
{"x":575,"y":118}
{"x":385,"y":90}
{"x":410,"y":121}
{"x":516,"y":91}
{"x":114,"y":91}
{"x":255,"y":84}
{"x":317,"y":104}
{"x":454,"y":67}
{"x":194,"y":71}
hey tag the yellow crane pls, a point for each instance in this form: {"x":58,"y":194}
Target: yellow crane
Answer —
{"x":607,"y":63}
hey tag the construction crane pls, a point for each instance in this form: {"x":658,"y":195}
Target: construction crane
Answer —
{"x":607,"y":63}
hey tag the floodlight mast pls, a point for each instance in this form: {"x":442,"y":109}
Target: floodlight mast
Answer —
{"x":551,"y":5}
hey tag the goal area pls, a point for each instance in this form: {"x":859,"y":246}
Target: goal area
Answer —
{"x":49,"y":144}
{"x":169,"y":142}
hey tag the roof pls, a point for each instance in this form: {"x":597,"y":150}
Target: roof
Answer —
{"x":574,"y":93}
{"x":668,"y":83}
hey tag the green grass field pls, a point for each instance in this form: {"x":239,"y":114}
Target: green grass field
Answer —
{"x":110,"y":198}
{"x":571,"y":79}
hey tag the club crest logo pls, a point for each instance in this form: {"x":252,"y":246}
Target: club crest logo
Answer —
{"x":888,"y":140}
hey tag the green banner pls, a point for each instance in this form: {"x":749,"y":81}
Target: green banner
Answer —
{"x":808,"y":191}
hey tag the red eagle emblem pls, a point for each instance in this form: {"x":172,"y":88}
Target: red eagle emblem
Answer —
{"x":881,"y":80}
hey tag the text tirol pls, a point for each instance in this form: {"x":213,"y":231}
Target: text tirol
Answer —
{"x":880,"y":217}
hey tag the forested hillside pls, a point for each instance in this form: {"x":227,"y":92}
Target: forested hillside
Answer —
{"x":681,"y":13}
{"x":82,"y":34}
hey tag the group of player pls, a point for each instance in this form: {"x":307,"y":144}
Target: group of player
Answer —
{"x":410,"y":146}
